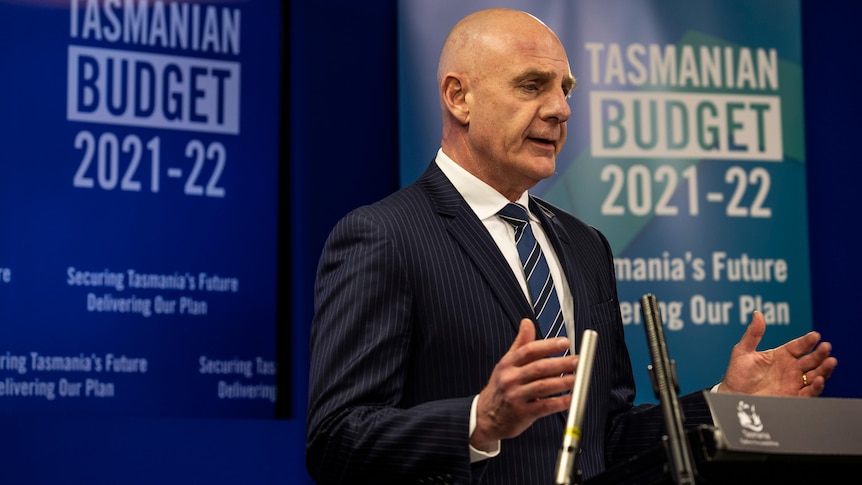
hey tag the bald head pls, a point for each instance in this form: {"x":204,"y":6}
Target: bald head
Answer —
{"x":474,"y":35}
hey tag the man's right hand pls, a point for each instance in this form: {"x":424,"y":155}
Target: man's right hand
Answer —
{"x":518,"y":391}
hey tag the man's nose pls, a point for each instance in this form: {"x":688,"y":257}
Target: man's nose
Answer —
{"x":557,"y":107}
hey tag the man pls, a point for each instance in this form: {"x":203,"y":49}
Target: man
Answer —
{"x":425,"y":364}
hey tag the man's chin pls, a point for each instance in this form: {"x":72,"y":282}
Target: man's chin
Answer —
{"x":542,"y":170}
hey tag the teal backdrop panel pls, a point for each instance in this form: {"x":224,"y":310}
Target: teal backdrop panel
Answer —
{"x":686,"y":148}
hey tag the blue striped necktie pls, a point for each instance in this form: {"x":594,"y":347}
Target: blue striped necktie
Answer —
{"x":543,"y":295}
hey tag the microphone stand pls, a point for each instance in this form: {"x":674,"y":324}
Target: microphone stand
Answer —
{"x":568,"y":456}
{"x":663,"y":374}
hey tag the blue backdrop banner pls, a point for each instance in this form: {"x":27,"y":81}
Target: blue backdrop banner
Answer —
{"x":685,"y":147}
{"x":138,"y":207}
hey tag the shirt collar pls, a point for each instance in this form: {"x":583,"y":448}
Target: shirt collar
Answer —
{"x":481,"y":197}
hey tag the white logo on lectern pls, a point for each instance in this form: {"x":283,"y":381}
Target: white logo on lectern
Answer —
{"x":752,"y":426}
{"x":748,"y":417}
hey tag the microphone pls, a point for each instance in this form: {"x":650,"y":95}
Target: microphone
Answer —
{"x":663,"y":374}
{"x":572,"y":436}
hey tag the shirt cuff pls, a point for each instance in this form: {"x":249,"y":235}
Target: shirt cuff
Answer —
{"x":479,"y":455}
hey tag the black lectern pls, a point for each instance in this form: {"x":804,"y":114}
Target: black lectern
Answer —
{"x":761,"y":440}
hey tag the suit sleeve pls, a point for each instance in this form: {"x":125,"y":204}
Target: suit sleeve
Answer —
{"x":359,"y":430}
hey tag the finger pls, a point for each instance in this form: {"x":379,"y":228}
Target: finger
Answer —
{"x":828,"y":367}
{"x":547,"y":387}
{"x":527,"y":349}
{"x":816,"y":377}
{"x":541,"y":378}
{"x":800,"y":346}
{"x":526,"y":334}
{"x":753,"y":334}
{"x":815,"y":387}
{"x":550,"y":405}
{"x":814,"y":359}
{"x":546,"y":367}
{"x":824,"y":369}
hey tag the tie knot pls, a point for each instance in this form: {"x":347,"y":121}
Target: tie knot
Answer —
{"x":515,"y":215}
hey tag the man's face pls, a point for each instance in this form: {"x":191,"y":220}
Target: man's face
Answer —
{"x":518,"y":110}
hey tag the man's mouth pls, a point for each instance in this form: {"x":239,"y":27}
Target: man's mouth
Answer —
{"x":543,"y":141}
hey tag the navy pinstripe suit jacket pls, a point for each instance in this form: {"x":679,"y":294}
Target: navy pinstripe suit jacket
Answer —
{"x":415,"y":305}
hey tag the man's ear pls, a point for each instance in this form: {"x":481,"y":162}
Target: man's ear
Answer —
{"x":454,"y":94}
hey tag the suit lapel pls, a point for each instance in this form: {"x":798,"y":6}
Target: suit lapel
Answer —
{"x":473,"y":238}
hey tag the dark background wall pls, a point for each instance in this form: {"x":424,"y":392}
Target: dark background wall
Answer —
{"x":341,"y":151}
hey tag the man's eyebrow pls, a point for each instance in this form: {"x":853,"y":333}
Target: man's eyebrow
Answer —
{"x":568,"y":83}
{"x":533,"y":74}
